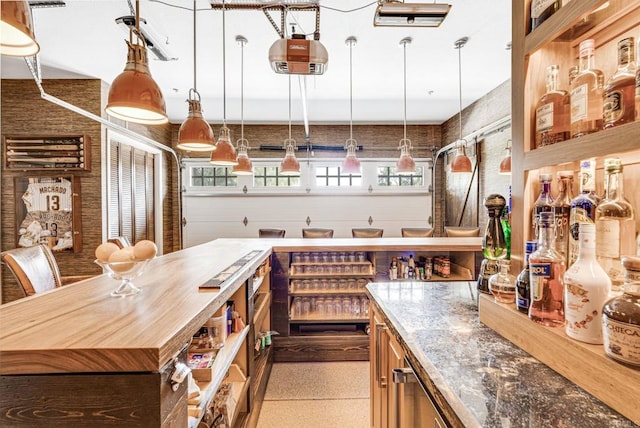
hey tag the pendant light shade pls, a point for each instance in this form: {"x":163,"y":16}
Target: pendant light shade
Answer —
{"x":460,"y":163}
{"x":16,"y":29}
{"x":224,"y":154}
{"x":505,"y":164}
{"x":195,"y":133}
{"x":405,"y":164}
{"x":290,"y":165}
{"x":351,"y":164}
{"x":134,"y":96}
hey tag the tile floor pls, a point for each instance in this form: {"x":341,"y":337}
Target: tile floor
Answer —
{"x":317,"y":395}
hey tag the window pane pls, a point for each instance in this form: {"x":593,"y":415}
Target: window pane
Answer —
{"x":208,"y":181}
{"x":271,"y":182}
{"x":197,"y":181}
{"x":356,"y":180}
{"x":207,"y":172}
{"x":333,"y":181}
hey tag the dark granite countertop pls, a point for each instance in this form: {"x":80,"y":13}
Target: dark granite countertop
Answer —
{"x":476,"y":377}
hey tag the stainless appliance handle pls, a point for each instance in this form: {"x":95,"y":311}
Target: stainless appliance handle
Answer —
{"x":401,"y":376}
{"x":379,"y":378}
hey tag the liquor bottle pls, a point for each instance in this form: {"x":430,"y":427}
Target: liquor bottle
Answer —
{"x":552,"y":112}
{"x":506,"y":229}
{"x":621,"y":318}
{"x":561,"y":212}
{"x":637,"y":98}
{"x":544,"y":203}
{"x":620,"y":90}
{"x":523,"y":289}
{"x":541,"y":10}
{"x":503,"y":285}
{"x":583,"y":206}
{"x":586,"y":94}
{"x":494,"y":244}
{"x":586,"y":289}
{"x":615,"y":225}
{"x":546,"y":273}
{"x":573,"y":72}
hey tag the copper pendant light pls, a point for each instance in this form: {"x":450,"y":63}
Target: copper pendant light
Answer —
{"x":244,"y":166}
{"x":134,"y":96}
{"x":225,"y":153}
{"x":290,"y":165}
{"x":505,"y":164}
{"x":405,"y":164}
{"x":351,"y":164}
{"x":460,"y":163}
{"x":16,"y":29}
{"x":195,"y":133}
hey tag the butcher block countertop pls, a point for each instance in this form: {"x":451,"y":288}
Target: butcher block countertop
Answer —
{"x":81,"y":328}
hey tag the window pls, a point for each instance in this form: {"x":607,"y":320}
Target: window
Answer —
{"x":269,"y":176}
{"x":213,"y":176}
{"x":388,"y":176}
{"x":327,"y":176}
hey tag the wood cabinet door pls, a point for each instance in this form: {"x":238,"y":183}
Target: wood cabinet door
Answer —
{"x":395,"y":360}
{"x":378,"y":363}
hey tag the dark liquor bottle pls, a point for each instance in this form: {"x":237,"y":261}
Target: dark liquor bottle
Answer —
{"x":583,"y":206}
{"x":621,"y":317}
{"x":523,"y":290}
{"x":544,"y":203}
{"x":541,"y":10}
{"x":546,"y":275}
{"x":619,"y":92}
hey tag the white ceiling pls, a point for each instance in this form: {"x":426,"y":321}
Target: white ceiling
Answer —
{"x":82,"y":39}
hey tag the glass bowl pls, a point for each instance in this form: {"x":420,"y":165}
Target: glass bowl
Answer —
{"x":124,"y":272}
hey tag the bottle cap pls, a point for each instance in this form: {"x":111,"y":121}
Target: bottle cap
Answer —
{"x":530,"y":246}
{"x":546,"y":218}
{"x":613,"y":165}
{"x":545,"y":177}
{"x":553,"y":67}
{"x":587,"y":45}
{"x":631,"y":262}
{"x":495,"y":200}
{"x":588,"y":163}
{"x":565,"y":174}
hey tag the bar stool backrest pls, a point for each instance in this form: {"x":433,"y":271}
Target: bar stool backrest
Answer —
{"x":367,"y":233}
{"x":416,"y":232}
{"x":34,"y":268}
{"x":271,"y":233}
{"x":120,"y":241}
{"x":317,"y":233}
{"x":453,"y":232}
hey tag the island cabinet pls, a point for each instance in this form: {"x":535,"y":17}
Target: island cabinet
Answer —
{"x":76,"y":356}
{"x":320,"y":309}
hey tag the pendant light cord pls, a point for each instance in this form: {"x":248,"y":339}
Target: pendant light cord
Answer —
{"x":242,"y":89}
{"x":405,"y":90}
{"x":289,"y":107}
{"x":351,"y":90}
{"x":195,"y":87}
{"x":460,"y":86}
{"x":224,"y":67}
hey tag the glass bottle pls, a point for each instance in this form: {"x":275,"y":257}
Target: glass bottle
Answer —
{"x":586,"y":94}
{"x":561,"y":212}
{"x":619,"y":92}
{"x":503,"y":285}
{"x":523,"y":289}
{"x":552,"y":112}
{"x":573,"y":72}
{"x":621,"y":318}
{"x":637,"y":98}
{"x":487,"y":269}
{"x":494,"y":244}
{"x":541,"y":10}
{"x":544,"y":203}
{"x":546,"y":272}
{"x":615,"y":225}
{"x":583,"y":206}
{"x":506,"y":229}
{"x":586,"y":289}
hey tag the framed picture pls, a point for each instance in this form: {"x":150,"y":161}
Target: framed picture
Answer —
{"x":48,"y":212}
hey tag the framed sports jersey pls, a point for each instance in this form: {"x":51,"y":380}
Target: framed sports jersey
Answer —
{"x":48,"y":212}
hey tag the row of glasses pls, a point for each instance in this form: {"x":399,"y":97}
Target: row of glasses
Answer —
{"x":331,"y":269}
{"x":330,"y":307}
{"x":328,"y":284}
{"x":330,"y":257}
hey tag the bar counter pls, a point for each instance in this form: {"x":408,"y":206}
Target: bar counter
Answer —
{"x":476,"y":377}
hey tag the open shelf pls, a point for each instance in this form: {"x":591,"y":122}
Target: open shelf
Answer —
{"x":358,"y":292}
{"x":258,"y":280}
{"x":261,"y":308}
{"x":219,"y":369}
{"x":331,"y":275}
{"x":319,"y":319}
{"x":584,"y":364}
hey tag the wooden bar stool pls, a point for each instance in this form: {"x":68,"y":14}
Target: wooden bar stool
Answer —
{"x":34,"y":268}
{"x":317,"y":233}
{"x":120,"y":241}
{"x":416,"y":232}
{"x":271,"y":233}
{"x":367,"y":233}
